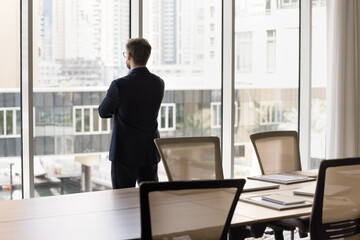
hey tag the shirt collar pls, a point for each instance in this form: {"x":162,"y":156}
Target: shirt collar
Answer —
{"x":131,"y":70}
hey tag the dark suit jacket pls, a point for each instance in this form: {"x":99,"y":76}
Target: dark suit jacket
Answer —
{"x":134,"y":101}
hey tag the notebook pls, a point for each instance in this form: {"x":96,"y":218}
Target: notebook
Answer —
{"x":283,"y":178}
{"x":282,"y":199}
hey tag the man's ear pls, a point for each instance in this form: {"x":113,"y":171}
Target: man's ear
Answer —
{"x":128,"y":56}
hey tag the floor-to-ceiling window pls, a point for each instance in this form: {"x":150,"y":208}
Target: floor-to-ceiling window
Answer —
{"x":79,"y":47}
{"x":10,"y":113}
{"x":266,"y":74}
{"x":186,"y":52}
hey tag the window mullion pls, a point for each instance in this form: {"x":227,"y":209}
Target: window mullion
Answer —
{"x":136,"y":24}
{"x":227,"y":123}
{"x":27,"y":52}
{"x":305,"y":82}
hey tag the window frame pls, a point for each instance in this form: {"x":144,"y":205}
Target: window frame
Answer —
{"x":216,"y":118}
{"x":228,"y":68}
{"x":91,"y":121}
{"x":275,"y":107}
{"x":15,"y":133}
{"x":167,"y":128}
{"x":245,"y":66}
{"x":271,"y":51}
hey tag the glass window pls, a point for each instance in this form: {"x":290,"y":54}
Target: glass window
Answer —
{"x":73,"y":74}
{"x":78,"y":119}
{"x":80,"y":45}
{"x":319,"y":83}
{"x":87,"y":121}
{"x":289,"y":3}
{"x":167,"y":117}
{"x":18,"y":122}
{"x":270,"y":113}
{"x":244,"y":52}
{"x":186,"y":53}
{"x":271,"y":50}
{"x":266,"y":80}
{"x":105,"y":125}
{"x":10,"y":122}
{"x":216,"y":114}
{"x":96,"y":119}
{"x":10,"y":114}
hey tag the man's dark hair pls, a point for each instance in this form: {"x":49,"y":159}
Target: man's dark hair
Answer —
{"x":140,"y":50}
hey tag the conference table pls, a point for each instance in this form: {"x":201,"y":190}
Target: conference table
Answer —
{"x":112,"y":214}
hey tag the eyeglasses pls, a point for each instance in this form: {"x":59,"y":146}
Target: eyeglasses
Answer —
{"x":125,"y":54}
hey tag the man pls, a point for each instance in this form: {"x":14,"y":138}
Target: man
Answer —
{"x":134,"y":101}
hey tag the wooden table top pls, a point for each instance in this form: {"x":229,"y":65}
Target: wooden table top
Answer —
{"x":111,"y":214}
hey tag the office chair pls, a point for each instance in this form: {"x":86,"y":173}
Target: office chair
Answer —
{"x":199,"y":209}
{"x":336,"y":207}
{"x":189,"y":158}
{"x":278,"y":152}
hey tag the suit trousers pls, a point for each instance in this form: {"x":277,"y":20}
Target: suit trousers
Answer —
{"x":126,"y":176}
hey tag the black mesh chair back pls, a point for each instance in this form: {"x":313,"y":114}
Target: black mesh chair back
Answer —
{"x":188,"y":209}
{"x":191,"y":158}
{"x":336,"y":207}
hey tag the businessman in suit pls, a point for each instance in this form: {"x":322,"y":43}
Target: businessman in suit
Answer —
{"x":134,"y":101}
